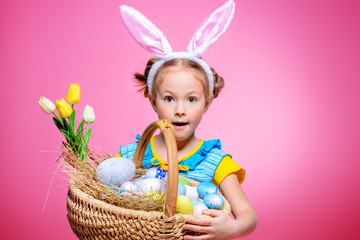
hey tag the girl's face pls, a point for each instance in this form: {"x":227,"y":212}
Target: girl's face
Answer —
{"x":180,"y":99}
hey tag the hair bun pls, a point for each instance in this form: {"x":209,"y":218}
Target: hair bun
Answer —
{"x":219,"y":83}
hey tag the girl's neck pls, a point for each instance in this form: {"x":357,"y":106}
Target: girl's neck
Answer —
{"x":184,"y":146}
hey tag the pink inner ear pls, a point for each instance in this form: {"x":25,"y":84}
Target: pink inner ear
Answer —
{"x":144,"y":32}
{"x":212,"y":27}
{"x":144,"y":36}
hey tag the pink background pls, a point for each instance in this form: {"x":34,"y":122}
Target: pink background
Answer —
{"x":289,"y":114}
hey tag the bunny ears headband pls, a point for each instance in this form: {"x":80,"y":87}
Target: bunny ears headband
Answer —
{"x":153,"y":40}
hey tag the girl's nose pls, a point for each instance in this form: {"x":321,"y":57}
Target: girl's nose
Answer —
{"x":180,"y":111}
{"x":179,"y":114}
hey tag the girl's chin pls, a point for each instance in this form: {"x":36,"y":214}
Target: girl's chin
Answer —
{"x":180,"y":137}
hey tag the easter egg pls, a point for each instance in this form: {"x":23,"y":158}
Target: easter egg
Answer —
{"x":183,"y":205}
{"x":181,"y":189}
{"x":115,"y":171}
{"x":151,"y":172}
{"x":184,"y":181}
{"x":132,"y":193}
{"x":155,"y":195}
{"x":198,"y":208}
{"x":129,"y":186}
{"x":205,"y":188}
{"x":126,"y":193}
{"x":191,"y":192}
{"x":155,"y":172}
{"x":150,"y":185}
{"x":214,"y":201}
{"x":196,"y":202}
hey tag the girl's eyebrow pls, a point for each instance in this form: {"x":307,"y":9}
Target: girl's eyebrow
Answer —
{"x":194,"y":92}
{"x":167,"y":92}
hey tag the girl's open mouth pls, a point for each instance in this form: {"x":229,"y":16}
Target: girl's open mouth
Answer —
{"x":180,"y":124}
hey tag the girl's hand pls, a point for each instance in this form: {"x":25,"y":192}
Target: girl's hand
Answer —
{"x":219,"y":226}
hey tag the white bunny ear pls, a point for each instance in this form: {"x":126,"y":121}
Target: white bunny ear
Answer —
{"x":211,"y":29}
{"x":145,"y":32}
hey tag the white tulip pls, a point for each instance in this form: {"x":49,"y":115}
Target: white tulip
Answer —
{"x":46,"y":105}
{"x":88,"y":114}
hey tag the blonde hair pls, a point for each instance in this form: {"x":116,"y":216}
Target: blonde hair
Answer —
{"x":197,"y":70}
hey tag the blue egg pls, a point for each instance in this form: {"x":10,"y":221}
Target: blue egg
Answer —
{"x":181,"y":189}
{"x":196,"y":202}
{"x":214,"y":201}
{"x":115,"y":171}
{"x":206,"y":188}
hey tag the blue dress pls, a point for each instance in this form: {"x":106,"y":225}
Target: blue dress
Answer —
{"x":200,"y":164}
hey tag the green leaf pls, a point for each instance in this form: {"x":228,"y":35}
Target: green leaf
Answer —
{"x":57,"y":123}
{"x":66,"y":134}
{"x":65,"y":123}
{"x":80,"y":129}
{"x":87,"y":136}
{"x":83,"y":152}
{"x":72,"y":121}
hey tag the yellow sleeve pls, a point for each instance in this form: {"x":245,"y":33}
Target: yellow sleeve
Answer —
{"x":118,"y":154}
{"x":226,"y":167}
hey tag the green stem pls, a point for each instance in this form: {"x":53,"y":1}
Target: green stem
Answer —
{"x":56,"y":116}
{"x":85,"y":145}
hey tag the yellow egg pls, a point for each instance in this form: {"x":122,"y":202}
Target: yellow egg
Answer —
{"x":155,"y":195}
{"x":184,"y":205}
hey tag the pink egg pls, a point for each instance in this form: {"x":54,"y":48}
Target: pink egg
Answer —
{"x":198,"y":208}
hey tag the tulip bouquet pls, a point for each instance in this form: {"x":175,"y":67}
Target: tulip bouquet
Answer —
{"x":76,"y":140}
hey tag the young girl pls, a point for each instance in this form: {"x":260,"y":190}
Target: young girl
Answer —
{"x":181,"y":87}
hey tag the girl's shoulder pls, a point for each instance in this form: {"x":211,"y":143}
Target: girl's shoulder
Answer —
{"x":128,"y":151}
{"x":212,"y":149}
{"x":208,"y":153}
{"x":203,"y":163}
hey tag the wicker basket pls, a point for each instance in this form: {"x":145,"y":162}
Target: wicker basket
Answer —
{"x":91,"y":218}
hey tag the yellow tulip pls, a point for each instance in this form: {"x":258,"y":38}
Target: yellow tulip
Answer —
{"x":63,"y":108}
{"x":73,"y":95}
{"x":46,"y":105}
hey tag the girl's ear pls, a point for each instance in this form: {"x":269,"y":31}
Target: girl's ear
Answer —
{"x":207,"y":105}
{"x":153,"y":103}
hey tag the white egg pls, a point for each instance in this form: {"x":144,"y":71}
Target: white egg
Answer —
{"x":191,"y":192}
{"x":115,"y":171}
{"x":151,"y":172}
{"x":156,"y":172}
{"x":129,"y":186}
{"x":151,"y":184}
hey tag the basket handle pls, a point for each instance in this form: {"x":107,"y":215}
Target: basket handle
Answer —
{"x":172,"y":160}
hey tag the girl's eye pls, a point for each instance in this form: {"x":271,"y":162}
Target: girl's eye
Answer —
{"x":191,"y":99}
{"x":169,"y":99}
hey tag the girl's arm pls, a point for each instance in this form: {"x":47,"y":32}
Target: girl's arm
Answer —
{"x":221,"y":225}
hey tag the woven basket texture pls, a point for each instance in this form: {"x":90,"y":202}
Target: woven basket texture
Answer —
{"x":91,"y":218}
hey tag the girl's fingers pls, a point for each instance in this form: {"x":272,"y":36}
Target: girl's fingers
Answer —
{"x":199,"y":237}
{"x":212,"y":212}
{"x":200,"y":221}
{"x":197,"y":228}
